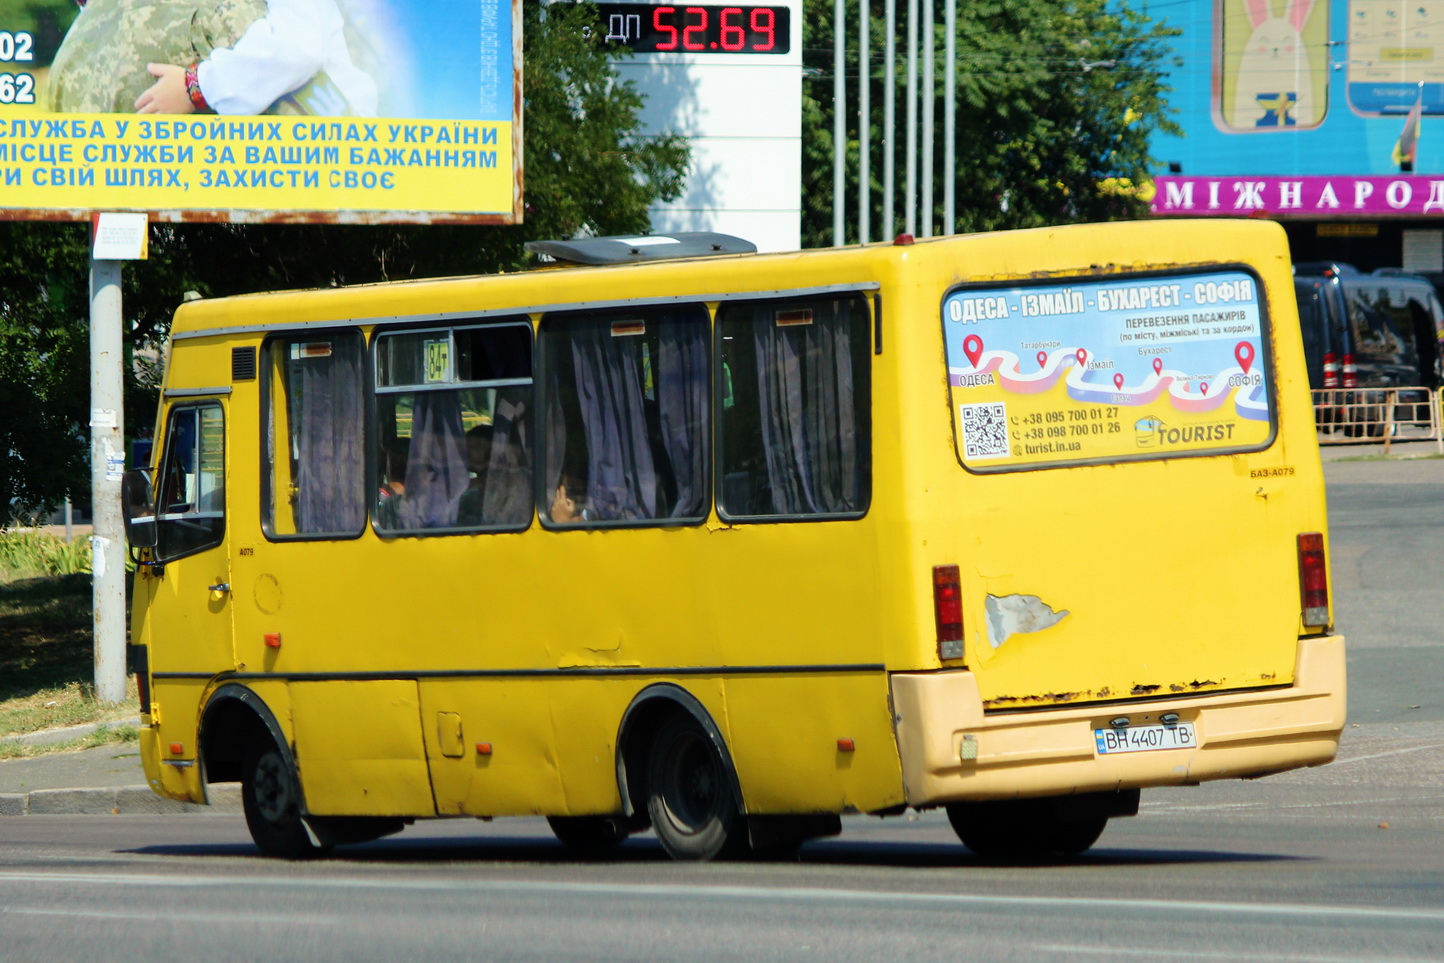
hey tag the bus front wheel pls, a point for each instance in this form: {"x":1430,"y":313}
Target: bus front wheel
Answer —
{"x":271,"y":797}
{"x":1026,"y":829}
{"x":690,"y":799}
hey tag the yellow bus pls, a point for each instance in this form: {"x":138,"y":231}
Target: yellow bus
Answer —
{"x":732,"y":545}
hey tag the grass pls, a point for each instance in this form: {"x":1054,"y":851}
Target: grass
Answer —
{"x":47,"y":662}
{"x":103,"y":735}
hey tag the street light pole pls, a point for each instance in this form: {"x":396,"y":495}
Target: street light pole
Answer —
{"x":107,"y":465}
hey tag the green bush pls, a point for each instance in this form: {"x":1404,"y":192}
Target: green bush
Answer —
{"x":31,"y":554}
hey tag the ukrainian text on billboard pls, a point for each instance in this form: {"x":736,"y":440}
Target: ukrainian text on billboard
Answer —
{"x":268,"y":106}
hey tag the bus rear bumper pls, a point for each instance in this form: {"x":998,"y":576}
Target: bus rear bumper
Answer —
{"x":953,"y":752}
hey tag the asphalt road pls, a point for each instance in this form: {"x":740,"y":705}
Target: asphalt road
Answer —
{"x":1386,"y":525}
{"x":1342,"y":862}
{"x":1205,"y":882}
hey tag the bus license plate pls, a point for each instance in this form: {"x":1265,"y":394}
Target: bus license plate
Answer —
{"x":1145,"y":738}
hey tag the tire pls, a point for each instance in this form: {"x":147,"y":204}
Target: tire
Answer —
{"x":588,"y":836}
{"x":271,"y":797}
{"x":690,"y":799}
{"x":1025,"y":830}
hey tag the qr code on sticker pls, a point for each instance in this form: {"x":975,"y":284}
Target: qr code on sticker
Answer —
{"x":985,"y":430}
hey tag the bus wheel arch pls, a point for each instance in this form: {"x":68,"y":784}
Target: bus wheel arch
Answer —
{"x":674,"y":770}
{"x":234,"y":719}
{"x":242,"y":742}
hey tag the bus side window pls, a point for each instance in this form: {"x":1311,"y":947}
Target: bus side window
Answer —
{"x":191,"y":511}
{"x":315,"y":476}
{"x":626,"y":399}
{"x":795,"y":441}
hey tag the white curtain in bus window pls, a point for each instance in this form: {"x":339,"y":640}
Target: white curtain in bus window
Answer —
{"x":453,"y":415}
{"x":795,"y":398}
{"x":316,"y":419}
{"x":627,"y":415}
{"x":192,"y":502}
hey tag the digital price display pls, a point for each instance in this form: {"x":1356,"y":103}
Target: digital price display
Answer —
{"x":659,"y":28}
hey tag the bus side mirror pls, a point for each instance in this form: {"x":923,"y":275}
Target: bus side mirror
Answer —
{"x":138,"y":503}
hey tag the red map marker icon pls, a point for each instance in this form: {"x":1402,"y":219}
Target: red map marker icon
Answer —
{"x":1082,"y":355}
{"x":1042,"y":358}
{"x":973,"y":348}
{"x":1118,"y":380}
{"x":1243,"y":353}
{"x":1158,"y":366}
{"x":1203,"y":386}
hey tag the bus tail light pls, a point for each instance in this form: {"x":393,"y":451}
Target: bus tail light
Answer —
{"x":1351,"y":371}
{"x":948,"y":610}
{"x":1313,"y":580}
{"x":1331,"y":370}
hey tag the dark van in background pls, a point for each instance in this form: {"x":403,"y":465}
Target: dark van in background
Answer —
{"x":1363,"y":331}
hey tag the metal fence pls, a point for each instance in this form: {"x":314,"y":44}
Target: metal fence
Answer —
{"x":1346,"y":416}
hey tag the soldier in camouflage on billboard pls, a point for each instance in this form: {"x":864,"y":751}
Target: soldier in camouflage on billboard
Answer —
{"x":224,"y":57}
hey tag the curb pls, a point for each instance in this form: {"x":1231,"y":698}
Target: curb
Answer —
{"x":225,"y":799}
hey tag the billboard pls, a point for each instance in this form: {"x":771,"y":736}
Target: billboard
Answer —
{"x":262,"y":110}
{"x":1308,"y":108}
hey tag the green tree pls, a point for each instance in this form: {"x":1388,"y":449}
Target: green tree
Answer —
{"x":1057,"y":105}
{"x":587,"y":171}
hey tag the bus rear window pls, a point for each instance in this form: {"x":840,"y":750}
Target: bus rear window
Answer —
{"x":1125,"y":368}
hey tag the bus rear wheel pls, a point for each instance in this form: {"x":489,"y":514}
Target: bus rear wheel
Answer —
{"x":271,"y":797}
{"x":693,"y":808}
{"x":1026,"y":829}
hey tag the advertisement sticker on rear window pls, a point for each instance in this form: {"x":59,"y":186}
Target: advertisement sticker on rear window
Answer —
{"x":1107,"y":370}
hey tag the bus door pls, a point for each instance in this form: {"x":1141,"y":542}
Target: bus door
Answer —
{"x":188,"y":587}
{"x":313,"y":598}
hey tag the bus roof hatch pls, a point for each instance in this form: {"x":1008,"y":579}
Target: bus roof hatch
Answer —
{"x":632,"y":249}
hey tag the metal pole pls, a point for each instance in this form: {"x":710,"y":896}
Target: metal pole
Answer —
{"x":839,"y":120}
{"x":889,"y":122}
{"x":107,"y":464}
{"x":929,"y":118}
{"x":950,"y":117}
{"x":910,"y":214}
{"x":864,"y":124}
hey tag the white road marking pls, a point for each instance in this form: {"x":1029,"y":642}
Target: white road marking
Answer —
{"x":207,"y":919}
{"x":741,"y":893}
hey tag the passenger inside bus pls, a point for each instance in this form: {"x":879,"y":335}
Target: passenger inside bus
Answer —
{"x":392,"y":489}
{"x":496,"y":458}
{"x":568,"y":503}
{"x":469,"y":510}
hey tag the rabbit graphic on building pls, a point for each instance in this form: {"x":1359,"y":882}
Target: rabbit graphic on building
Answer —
{"x":1274,"y":70}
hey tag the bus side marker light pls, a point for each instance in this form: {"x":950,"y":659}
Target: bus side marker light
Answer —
{"x":846,"y":745}
{"x":273,"y":640}
{"x":177,"y":749}
{"x":968,"y":749}
{"x":483,"y":748}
